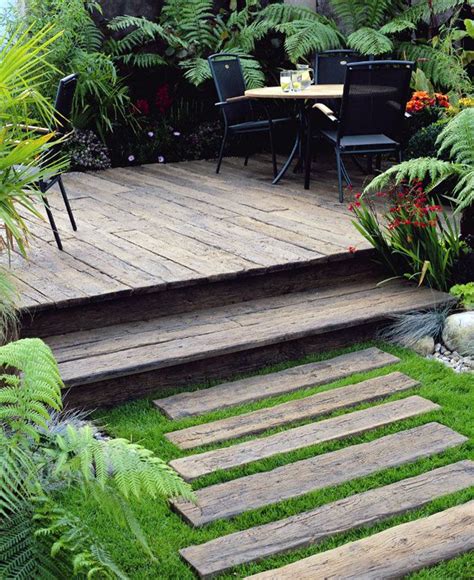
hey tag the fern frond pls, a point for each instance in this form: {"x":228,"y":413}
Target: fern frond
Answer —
{"x":397,"y":25}
{"x":457,"y":138}
{"x":442,"y":69}
{"x":349,"y":13}
{"x":369,"y":41}
{"x":25,"y":403}
{"x":196,"y":70}
{"x":136,"y":471}
{"x":420,"y":168}
{"x":303,"y":38}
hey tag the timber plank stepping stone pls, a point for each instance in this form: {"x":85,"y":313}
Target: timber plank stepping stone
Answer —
{"x":229,"y":499}
{"x":392,"y":553}
{"x":257,"y":388}
{"x":307,"y":408}
{"x":309,"y":528}
{"x":346,"y":425}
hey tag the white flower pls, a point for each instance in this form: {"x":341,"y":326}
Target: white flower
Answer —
{"x":176,"y":133}
{"x":161,"y":159}
{"x":151,"y":134}
{"x":131,"y":158}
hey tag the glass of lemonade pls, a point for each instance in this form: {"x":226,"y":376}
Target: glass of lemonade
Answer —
{"x":307,"y":75}
{"x":296,"y":81}
{"x":285,"y":81}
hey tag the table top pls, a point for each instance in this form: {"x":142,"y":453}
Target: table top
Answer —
{"x":312,"y":92}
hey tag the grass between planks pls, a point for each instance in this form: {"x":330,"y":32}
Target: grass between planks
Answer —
{"x":141,"y":422}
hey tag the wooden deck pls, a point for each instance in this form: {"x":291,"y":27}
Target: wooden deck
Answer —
{"x":142,"y":228}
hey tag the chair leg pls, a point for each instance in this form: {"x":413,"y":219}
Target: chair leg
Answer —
{"x":272,"y":147}
{"x":67,"y":204}
{"x":400,"y":156}
{"x":52,"y":222}
{"x":339,"y":175}
{"x":308,"y":153}
{"x":378,"y":162}
{"x":221,"y":152}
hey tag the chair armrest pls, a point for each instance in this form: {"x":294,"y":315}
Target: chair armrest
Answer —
{"x":231,"y":100}
{"x":329,"y":113}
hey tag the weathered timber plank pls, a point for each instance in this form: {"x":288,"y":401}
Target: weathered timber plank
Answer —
{"x":261,"y":387}
{"x":393,"y":553}
{"x":226,"y":500}
{"x":309,"y":528}
{"x":347,"y":425}
{"x":255,"y":330}
{"x":307,"y":408}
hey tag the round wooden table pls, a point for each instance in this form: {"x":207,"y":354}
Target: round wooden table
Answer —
{"x":314,"y":93}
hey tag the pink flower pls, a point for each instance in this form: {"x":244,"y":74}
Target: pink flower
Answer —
{"x":352,"y":249}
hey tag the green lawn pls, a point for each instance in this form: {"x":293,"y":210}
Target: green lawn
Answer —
{"x":166,"y":532}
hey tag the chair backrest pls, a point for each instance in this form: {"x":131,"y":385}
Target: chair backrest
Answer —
{"x":375,"y":97}
{"x":330,"y":65}
{"x":63,"y":103}
{"x":229,"y":80}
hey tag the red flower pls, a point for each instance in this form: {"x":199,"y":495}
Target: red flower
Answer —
{"x":352,"y":249}
{"x":163,"y":100}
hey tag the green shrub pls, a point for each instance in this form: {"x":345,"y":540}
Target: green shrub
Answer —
{"x":423,"y":142}
{"x":465,"y":293}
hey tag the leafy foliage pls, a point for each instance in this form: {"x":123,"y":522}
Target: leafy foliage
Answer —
{"x":101,"y":96}
{"x":41,"y":454}
{"x":457,"y":142}
{"x":23,"y":71}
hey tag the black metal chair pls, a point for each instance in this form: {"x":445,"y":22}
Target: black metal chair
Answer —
{"x":372,"y":114}
{"x":237,"y":110}
{"x":61,"y":127}
{"x":330,"y":65}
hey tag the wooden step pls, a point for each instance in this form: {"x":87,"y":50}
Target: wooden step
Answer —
{"x":307,"y":408}
{"x":98,"y":365}
{"x":260,"y":387}
{"x":226,"y":500}
{"x":339,"y":427}
{"x":312,"y":527}
{"x":393,"y":553}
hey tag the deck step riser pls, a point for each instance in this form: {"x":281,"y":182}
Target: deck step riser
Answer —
{"x":393,"y":553}
{"x":227,"y":500}
{"x":194,"y":295}
{"x":118,"y":390}
{"x":310,"y":528}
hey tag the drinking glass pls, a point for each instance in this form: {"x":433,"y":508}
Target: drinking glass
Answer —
{"x":285,"y":81}
{"x":307,"y":75}
{"x":296,"y":81}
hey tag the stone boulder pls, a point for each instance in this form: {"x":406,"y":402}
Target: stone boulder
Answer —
{"x":458,"y":332}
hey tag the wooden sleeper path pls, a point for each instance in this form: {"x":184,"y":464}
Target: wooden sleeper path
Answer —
{"x":392,"y":553}
{"x":307,"y":408}
{"x":229,"y":499}
{"x":312,"y":527}
{"x":339,"y":427}
{"x":256,"y":388}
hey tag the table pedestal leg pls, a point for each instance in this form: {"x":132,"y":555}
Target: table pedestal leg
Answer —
{"x":298,"y":145}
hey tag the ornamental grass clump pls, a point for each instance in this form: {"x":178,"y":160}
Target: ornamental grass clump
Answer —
{"x":413,"y":235}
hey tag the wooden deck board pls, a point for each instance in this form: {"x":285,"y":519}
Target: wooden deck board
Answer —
{"x":340,"y":427}
{"x":180,"y":223}
{"x":226,"y":500}
{"x":306,"y":408}
{"x":260,"y":387}
{"x":393,"y":553}
{"x":312,"y":527}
